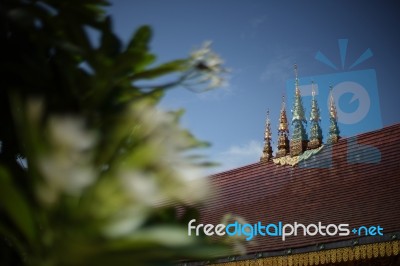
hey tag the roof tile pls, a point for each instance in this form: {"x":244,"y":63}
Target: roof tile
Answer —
{"x":350,"y":191}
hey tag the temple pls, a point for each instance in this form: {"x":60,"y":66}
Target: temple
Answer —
{"x":352,"y":181}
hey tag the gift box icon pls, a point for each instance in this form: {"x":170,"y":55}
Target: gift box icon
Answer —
{"x":355,"y":92}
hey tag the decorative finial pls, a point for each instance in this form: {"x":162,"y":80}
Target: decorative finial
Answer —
{"x":267,"y":126}
{"x":296,"y":74}
{"x":283,"y":132}
{"x":315,"y":129}
{"x":332,"y":106}
{"x":267,"y":151}
{"x":298,"y":142}
{"x":333,"y":128}
{"x":283,"y":124}
{"x":312,"y":88}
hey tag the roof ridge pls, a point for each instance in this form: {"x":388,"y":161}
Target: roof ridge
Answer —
{"x":340,"y":143}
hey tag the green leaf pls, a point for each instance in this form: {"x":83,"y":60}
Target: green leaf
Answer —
{"x":164,"y":69}
{"x":140,"y":40}
{"x":110,"y":44}
{"x":132,"y":62}
{"x":137,"y":55}
{"x":17,"y":245}
{"x":16,"y":206}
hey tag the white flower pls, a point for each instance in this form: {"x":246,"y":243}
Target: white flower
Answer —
{"x":190,"y":185}
{"x":66,"y":166}
{"x":158,"y":172}
{"x":69,"y":132}
{"x":206,"y":68}
{"x":142,"y":187}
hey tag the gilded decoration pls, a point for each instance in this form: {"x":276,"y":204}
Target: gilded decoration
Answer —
{"x":364,"y":254}
{"x":298,"y":148}
{"x":294,"y":160}
{"x":283,"y":132}
{"x":267,"y":151}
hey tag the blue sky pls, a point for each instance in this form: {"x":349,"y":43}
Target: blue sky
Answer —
{"x":260,"y":41}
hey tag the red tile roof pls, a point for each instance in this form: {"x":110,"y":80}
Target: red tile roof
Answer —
{"x":350,"y":191}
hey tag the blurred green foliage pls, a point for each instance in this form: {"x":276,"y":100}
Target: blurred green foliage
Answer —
{"x":90,"y":169}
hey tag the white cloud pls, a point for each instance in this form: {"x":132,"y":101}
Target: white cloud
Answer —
{"x":278,"y":70}
{"x":257,"y":21}
{"x":249,"y":149}
{"x":238,"y":155}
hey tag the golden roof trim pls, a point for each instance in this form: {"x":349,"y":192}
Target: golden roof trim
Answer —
{"x":338,"y":255}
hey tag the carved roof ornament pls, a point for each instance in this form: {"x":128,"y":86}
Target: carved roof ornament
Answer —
{"x":299,"y":140}
{"x":283,"y":132}
{"x":267,"y":151}
{"x":283,"y":123}
{"x":315,"y":128}
{"x":333,"y":127}
{"x":332,"y":106}
{"x":296,"y":74}
{"x":300,"y":148}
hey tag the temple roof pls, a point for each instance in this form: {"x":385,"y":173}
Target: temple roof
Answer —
{"x":355,"y":181}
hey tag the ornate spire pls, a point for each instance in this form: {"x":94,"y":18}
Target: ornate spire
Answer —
{"x":296,"y":74}
{"x":332,"y":106}
{"x":283,"y":132}
{"x":283,"y":124}
{"x":267,"y":151}
{"x":333,"y":128}
{"x":298,"y":142}
{"x":315,"y":130}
